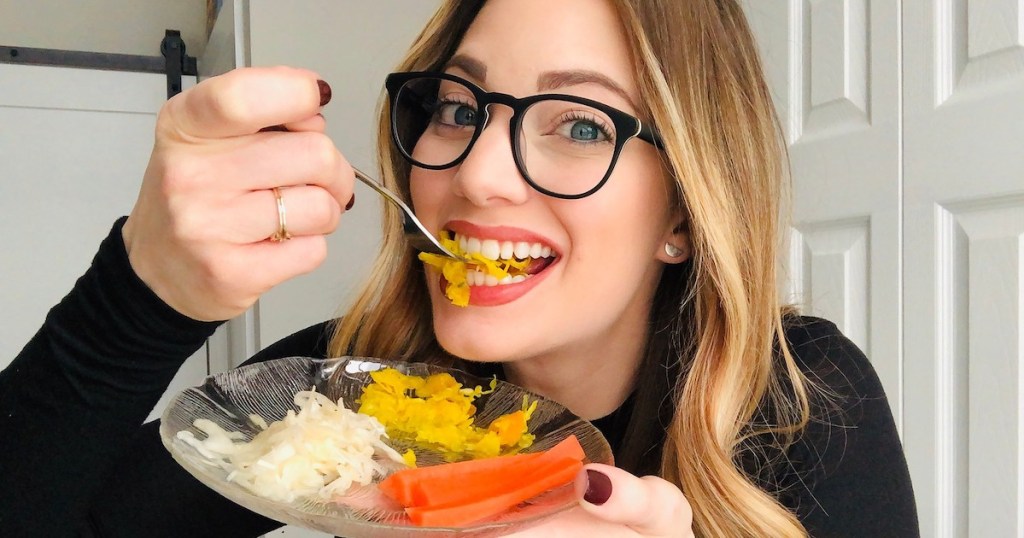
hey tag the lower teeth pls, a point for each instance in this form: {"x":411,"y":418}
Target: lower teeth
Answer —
{"x":479,"y":278}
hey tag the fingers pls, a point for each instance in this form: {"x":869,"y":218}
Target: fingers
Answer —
{"x":309,"y":210}
{"x":648,"y":505}
{"x":270,"y":263}
{"x":244,"y":101}
{"x":233,"y":283}
{"x":315,"y":123}
{"x":198,"y":235}
{"x":281,"y":159}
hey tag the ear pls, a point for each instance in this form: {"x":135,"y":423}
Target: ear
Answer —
{"x":675,"y":247}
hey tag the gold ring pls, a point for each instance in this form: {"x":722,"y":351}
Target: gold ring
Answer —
{"x":282,"y":223}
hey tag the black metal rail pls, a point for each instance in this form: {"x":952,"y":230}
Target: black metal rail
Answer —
{"x":174,"y":63}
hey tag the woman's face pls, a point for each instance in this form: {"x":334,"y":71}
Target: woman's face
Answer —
{"x":607,"y":249}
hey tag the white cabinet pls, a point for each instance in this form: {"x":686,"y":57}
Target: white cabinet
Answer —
{"x":74,"y":144}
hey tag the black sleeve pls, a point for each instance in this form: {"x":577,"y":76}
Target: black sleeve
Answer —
{"x":151,"y":495}
{"x":72,"y":398}
{"x":73,"y":458}
{"x":847,"y":475}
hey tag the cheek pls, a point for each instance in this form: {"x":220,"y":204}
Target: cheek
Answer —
{"x":428,"y":189}
{"x":628,"y":217}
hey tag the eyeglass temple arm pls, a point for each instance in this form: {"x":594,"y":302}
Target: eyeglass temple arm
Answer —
{"x":649,"y":135}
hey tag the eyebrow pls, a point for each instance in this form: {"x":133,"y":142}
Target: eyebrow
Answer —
{"x":552,"y":80}
{"x":473,"y":67}
{"x":547,"y":81}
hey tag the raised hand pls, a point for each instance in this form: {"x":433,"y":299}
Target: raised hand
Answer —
{"x":200,"y":232}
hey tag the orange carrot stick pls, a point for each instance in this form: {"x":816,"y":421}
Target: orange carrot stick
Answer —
{"x":399,"y":485}
{"x":567,"y":448}
{"x":451,"y":481}
{"x":466,"y":488}
{"x":489,"y":482}
{"x":543,"y":478}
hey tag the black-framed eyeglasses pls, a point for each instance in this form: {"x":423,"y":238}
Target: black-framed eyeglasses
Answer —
{"x":564,"y":145}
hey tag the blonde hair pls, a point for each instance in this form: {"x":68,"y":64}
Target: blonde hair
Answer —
{"x":733,"y":390}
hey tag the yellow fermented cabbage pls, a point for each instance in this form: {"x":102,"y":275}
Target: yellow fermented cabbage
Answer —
{"x":437,"y":413}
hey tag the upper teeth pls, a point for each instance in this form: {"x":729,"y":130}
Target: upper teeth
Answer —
{"x":493,"y":249}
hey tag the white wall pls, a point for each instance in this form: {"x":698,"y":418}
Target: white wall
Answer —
{"x":116,"y":26}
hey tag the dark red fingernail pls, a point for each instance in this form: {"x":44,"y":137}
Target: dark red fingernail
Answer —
{"x":274,"y":128}
{"x":325,"y":92}
{"x":599,"y":487}
{"x":351,"y":202}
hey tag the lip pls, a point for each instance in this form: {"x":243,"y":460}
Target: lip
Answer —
{"x":500,"y":233}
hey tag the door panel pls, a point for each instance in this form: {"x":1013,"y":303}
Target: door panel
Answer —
{"x":830,"y":271}
{"x":964,"y":199}
{"x":834,"y":74}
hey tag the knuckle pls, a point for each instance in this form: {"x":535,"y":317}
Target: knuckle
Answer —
{"x":324,"y":211}
{"x":178,"y":177}
{"x":321,"y":151}
{"x":183,"y":226}
{"x":281,"y":70}
{"x":670,"y":497}
{"x":228,"y":100}
{"x":345,"y":168}
{"x":174,"y":110}
{"x":165,"y":117}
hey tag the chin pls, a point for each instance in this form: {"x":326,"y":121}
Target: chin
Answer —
{"x":500,"y":333}
{"x":468,"y":335}
{"x":472,"y":349}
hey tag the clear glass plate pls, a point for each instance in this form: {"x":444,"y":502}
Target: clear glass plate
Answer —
{"x":267,"y":389}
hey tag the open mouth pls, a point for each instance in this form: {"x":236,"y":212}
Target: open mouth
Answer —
{"x":502,"y":262}
{"x":492,"y":263}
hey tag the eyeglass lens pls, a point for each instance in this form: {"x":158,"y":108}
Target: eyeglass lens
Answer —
{"x":564,"y":146}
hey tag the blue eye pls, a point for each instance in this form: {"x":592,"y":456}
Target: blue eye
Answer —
{"x":582,"y":129}
{"x":585,"y":131}
{"x":457,"y":114}
{"x":465,"y":116}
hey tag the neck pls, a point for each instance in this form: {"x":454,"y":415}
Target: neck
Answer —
{"x":591,"y":379}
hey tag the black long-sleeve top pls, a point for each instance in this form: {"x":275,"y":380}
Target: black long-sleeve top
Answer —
{"x":76,"y":460}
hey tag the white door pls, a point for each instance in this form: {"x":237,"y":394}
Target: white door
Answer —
{"x":964,"y":227}
{"x":943,"y":151}
{"x":74,"y":144}
{"x":833,"y":66}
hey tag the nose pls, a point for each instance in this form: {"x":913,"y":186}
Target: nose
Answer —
{"x":488,"y":176}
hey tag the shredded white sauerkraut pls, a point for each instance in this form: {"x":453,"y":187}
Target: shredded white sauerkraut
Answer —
{"x":322,"y":450}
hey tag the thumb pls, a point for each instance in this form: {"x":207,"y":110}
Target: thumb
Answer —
{"x":649,"y":505}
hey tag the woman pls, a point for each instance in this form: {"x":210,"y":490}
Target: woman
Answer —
{"x":655,"y":313}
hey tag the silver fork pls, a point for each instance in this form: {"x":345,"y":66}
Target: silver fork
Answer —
{"x":415,"y":233}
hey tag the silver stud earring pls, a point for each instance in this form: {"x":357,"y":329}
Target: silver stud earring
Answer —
{"x":673,"y":251}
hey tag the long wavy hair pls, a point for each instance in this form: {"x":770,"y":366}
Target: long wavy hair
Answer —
{"x":717,"y":371}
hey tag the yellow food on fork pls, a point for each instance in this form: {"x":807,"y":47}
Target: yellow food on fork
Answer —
{"x":455,"y":271}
